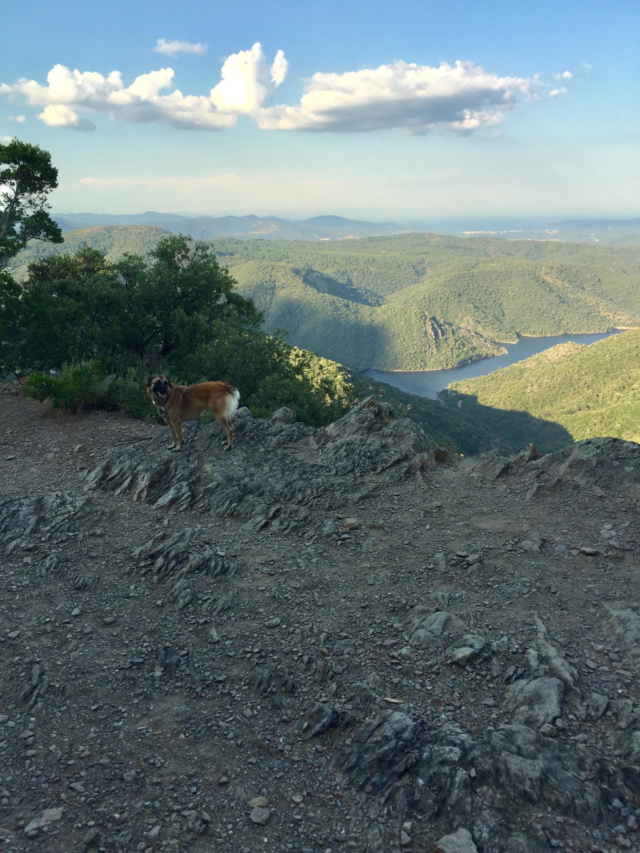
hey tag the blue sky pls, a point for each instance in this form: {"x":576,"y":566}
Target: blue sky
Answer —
{"x":404,"y":111}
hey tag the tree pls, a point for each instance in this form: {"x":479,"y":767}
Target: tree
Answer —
{"x":26,"y":179}
{"x":183,"y":292}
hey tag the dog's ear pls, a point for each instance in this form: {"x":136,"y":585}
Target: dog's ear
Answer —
{"x":149,"y":380}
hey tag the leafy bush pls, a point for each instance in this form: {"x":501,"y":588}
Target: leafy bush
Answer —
{"x":77,"y":387}
{"x":86,"y":385}
{"x":106,"y":326}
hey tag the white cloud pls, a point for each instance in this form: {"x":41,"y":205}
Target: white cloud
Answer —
{"x":171,"y":48}
{"x":61,"y":115}
{"x":565,"y":75}
{"x":247,"y":81}
{"x":417,"y":98}
{"x":19,"y":119}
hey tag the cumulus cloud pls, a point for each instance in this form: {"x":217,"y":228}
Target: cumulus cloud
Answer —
{"x":19,"y":119}
{"x":60,"y":115}
{"x":417,"y":98}
{"x":247,"y":80}
{"x":171,"y":48}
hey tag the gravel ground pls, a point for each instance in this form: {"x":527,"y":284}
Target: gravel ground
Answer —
{"x":187,"y":681}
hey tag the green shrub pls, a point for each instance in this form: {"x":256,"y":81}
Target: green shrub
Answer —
{"x":77,"y":387}
{"x":127,"y":394}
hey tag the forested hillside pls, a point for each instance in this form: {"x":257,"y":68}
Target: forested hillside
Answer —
{"x":589,"y":390}
{"x":413,"y":301}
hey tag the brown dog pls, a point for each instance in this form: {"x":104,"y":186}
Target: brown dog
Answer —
{"x":177,"y":403}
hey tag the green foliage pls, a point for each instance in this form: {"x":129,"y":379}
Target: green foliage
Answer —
{"x":26,"y":179}
{"x":85,"y":385}
{"x":76,"y":388}
{"x":586,"y":391}
{"x":106,"y":325}
{"x":271,"y":374}
{"x":420,"y":301}
{"x":10,"y":317}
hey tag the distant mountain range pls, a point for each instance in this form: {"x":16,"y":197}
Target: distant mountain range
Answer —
{"x":614,"y":232}
{"x":318,"y":228}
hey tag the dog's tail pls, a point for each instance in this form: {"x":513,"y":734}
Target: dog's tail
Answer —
{"x":232,"y":401}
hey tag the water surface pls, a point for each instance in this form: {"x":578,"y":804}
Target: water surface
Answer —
{"x":427,"y":383}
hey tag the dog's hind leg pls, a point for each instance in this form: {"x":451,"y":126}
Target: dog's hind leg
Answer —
{"x":226,"y":425}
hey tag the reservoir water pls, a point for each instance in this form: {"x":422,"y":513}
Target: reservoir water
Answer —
{"x":427,"y":383}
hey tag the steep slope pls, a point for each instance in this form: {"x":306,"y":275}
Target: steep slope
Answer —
{"x":589,"y":390}
{"x":422,"y":301}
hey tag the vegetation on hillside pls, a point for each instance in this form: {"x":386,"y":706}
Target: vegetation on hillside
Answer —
{"x":104,"y":325}
{"x":422,"y":301}
{"x":588,"y":390}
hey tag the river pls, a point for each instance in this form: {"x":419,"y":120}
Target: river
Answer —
{"x":427,"y":383}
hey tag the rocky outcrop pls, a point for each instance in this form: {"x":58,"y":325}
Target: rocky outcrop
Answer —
{"x":277,"y":470}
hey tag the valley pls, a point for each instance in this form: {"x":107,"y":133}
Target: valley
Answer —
{"x":416,"y":302}
{"x":411,"y":301}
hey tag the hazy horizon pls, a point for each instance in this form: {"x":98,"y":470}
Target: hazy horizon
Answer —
{"x":490,"y":223}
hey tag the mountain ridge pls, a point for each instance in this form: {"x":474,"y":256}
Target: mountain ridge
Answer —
{"x":411,"y":301}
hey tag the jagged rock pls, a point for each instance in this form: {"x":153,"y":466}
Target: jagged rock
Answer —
{"x":624,"y":619}
{"x":382,"y":752}
{"x":447,"y":773}
{"x":467,"y":648}
{"x":46,"y":516}
{"x":425,"y":628}
{"x":532,"y":543}
{"x":550,"y":657}
{"x":608,"y":463}
{"x":458,"y":842}
{"x":165,"y":555}
{"x":284,"y":416}
{"x":550,"y":486}
{"x":488,"y":465}
{"x":148,"y":473}
{"x":596,"y":705}
{"x":277,"y":469}
{"x":536,"y":702}
{"x":47,"y":817}
{"x":168,"y":661}
{"x":36,"y":686}
{"x":318,"y":719}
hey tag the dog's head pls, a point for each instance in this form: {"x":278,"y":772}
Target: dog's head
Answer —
{"x":159,"y":388}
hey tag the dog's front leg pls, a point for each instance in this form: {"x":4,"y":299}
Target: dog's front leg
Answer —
{"x":176,"y":431}
{"x":175,"y":442}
